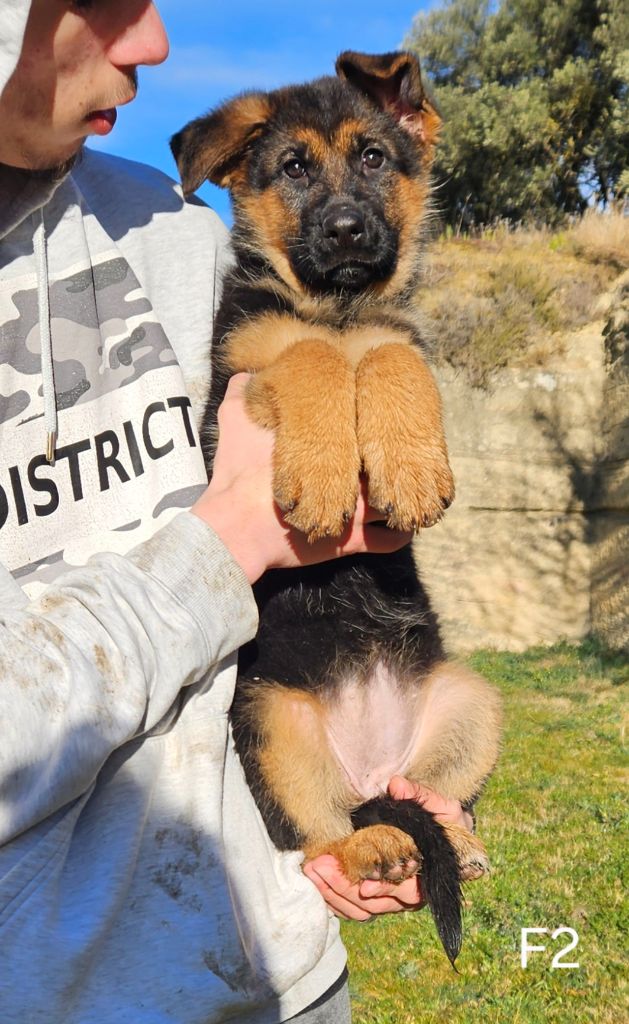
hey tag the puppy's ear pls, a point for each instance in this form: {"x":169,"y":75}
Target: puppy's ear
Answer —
{"x":393,"y":82}
{"x":213,"y":147}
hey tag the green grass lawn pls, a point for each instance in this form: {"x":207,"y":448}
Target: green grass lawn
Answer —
{"x":555,"y":823}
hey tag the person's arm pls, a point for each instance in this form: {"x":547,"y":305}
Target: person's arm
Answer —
{"x":360,"y":902}
{"x":102,"y":655}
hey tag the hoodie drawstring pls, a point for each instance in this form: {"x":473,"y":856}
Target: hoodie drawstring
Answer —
{"x":45,"y":335}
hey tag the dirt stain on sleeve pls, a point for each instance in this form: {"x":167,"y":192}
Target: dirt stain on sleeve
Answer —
{"x":101,"y":660}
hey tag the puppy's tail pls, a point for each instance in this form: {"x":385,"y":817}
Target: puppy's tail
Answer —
{"x":440,"y":880}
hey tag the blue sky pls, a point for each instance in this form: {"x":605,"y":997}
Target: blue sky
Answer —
{"x":218,"y":49}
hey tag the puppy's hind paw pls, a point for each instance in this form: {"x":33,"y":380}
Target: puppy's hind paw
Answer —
{"x":379,"y":852}
{"x":471,"y":855}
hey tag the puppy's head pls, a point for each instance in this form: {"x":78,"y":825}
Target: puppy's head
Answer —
{"x":329,"y":180}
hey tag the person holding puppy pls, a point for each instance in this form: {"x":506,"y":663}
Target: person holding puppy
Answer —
{"x":137,"y":882}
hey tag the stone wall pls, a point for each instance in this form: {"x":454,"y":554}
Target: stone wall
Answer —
{"x":536,"y":545}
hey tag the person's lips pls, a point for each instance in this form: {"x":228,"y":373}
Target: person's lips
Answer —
{"x":102,"y":121}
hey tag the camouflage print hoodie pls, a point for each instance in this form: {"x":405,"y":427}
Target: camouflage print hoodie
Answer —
{"x":137,"y":882}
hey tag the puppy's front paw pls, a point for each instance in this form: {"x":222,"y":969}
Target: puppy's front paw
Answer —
{"x":308,"y":396}
{"x":409,"y":481}
{"x":401,"y":439}
{"x":316,"y":483}
{"x":379,"y":852}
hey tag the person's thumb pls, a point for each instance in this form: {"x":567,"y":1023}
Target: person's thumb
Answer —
{"x":403,"y":789}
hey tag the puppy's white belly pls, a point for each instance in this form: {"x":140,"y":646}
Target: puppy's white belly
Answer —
{"x":373,"y":729}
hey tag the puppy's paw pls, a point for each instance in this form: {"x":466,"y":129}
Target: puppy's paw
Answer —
{"x":379,"y":852}
{"x":411,"y":483}
{"x":401,"y":439}
{"x":316,"y":485}
{"x":470,"y":853}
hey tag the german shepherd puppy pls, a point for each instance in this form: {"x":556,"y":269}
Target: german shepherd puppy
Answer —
{"x":346,"y":683}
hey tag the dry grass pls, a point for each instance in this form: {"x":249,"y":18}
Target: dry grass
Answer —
{"x":601,"y":238}
{"x":509,"y":297}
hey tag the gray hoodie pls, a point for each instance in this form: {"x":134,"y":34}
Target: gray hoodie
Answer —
{"x":137,"y":882}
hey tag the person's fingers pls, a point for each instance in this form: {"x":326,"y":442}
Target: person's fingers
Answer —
{"x":373,"y":515}
{"x":357,"y":537}
{"x":403,"y":789}
{"x":382,"y":541}
{"x":348,"y":899}
{"x":237,"y":384}
{"x":328,"y":882}
{"x":407,"y":894}
{"x":234,"y":396}
{"x":444,"y":809}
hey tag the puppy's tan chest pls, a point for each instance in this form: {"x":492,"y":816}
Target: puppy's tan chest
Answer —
{"x":257,"y":343}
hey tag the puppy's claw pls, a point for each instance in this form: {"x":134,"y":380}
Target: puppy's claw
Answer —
{"x":286,"y":505}
{"x":431,"y":518}
{"x":474,"y":869}
{"x":397,"y":873}
{"x":317,"y":522}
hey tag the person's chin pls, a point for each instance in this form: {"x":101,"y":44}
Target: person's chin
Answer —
{"x":55,"y":165}
{"x":65,"y":155}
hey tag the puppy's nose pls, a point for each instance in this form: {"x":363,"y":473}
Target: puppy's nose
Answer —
{"x":344,"y":225}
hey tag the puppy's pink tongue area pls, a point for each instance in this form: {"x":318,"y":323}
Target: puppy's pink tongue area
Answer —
{"x":102,"y":121}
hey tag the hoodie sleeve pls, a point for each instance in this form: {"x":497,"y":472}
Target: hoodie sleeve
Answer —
{"x":102,"y":656}
{"x":14,"y":16}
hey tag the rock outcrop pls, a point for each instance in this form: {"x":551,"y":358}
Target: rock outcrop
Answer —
{"x":536,"y":545}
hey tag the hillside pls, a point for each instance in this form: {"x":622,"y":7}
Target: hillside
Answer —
{"x":530,"y":333}
{"x":511,"y":297}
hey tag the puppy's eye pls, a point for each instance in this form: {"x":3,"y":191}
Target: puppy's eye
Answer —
{"x":294,"y":169}
{"x":373,"y":158}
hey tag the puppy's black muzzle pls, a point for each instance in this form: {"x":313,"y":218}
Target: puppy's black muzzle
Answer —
{"x":343,"y":226}
{"x":345,"y":246}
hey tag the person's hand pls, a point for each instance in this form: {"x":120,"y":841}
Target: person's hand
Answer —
{"x":360,"y":902}
{"x":238,"y":503}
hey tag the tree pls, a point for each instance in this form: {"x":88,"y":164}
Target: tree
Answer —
{"x":535,"y":100}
